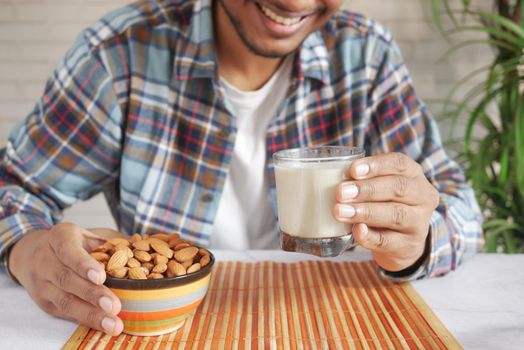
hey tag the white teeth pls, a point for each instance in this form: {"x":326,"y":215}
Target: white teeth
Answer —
{"x":279,"y":19}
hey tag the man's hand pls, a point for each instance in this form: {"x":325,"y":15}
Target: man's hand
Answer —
{"x":390,"y":201}
{"x":63,"y":279}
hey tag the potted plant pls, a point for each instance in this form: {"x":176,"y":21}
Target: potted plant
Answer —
{"x":491,"y":142}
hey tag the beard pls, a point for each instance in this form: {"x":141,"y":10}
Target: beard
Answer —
{"x":250,"y":45}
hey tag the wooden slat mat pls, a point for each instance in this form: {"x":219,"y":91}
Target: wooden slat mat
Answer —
{"x":306,"y":305}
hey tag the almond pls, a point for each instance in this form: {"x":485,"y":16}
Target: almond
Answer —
{"x":174,"y":236}
{"x":118,"y":259}
{"x":104,"y":248}
{"x":173,"y":242}
{"x":133,"y":263}
{"x":204,"y":260}
{"x":162,"y":248}
{"x":186,"y":264}
{"x":136,"y":273}
{"x":161,"y":236}
{"x":141,"y":255}
{"x":148,"y":265}
{"x":125,"y":248}
{"x":186,"y":254}
{"x":155,"y":276}
{"x":135,"y":237}
{"x":175,"y":269}
{"x":194,"y":268}
{"x":160,"y":268}
{"x":99,"y":256}
{"x":117,"y":241}
{"x":141,"y":245}
{"x":160,"y":259}
{"x":120,"y":272}
{"x":181,"y":245}
{"x":203,"y":252}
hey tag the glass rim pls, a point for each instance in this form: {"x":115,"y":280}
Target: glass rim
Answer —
{"x":299,"y":154}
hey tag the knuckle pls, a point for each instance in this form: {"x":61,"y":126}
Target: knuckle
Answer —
{"x":370,"y":189}
{"x":92,"y":317}
{"x":90,"y":294}
{"x":367,"y":213}
{"x":63,"y":278}
{"x":381,"y":242}
{"x":400,"y":161}
{"x":47,"y":306}
{"x":400,"y":186}
{"x":64,"y":303}
{"x":61,"y":248}
{"x":399,"y":215}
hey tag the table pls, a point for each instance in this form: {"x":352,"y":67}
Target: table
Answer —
{"x":482,"y":303}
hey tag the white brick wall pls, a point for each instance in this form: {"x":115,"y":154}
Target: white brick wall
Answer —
{"x":34,"y":34}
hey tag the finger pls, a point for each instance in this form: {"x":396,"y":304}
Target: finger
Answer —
{"x":394,"y":216}
{"x":384,"y":164}
{"x":67,"y":244}
{"x":67,"y":280}
{"x":70,"y":307}
{"x":395,"y":188}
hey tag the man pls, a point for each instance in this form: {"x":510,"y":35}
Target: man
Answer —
{"x":173,"y":109}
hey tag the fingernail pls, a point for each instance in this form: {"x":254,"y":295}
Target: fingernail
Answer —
{"x":362,"y":169}
{"x":93,"y":276}
{"x":106,"y":304}
{"x":346,"y":211}
{"x":349,"y":192}
{"x":108,"y":324}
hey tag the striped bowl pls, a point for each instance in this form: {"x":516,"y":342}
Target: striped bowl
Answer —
{"x":159,"y":306}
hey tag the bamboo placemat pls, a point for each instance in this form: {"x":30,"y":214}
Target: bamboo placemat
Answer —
{"x":306,"y":305}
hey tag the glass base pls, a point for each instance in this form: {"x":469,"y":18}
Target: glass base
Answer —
{"x":323,"y":247}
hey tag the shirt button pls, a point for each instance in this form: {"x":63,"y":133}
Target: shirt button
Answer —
{"x":206,"y":198}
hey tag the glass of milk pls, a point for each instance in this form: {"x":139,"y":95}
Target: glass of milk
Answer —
{"x":306,"y":181}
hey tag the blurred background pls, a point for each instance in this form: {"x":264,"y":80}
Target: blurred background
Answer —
{"x":34,"y":35}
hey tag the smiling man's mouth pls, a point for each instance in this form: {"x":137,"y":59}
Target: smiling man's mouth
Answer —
{"x":286,"y":21}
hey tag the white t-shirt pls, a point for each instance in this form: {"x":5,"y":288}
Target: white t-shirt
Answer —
{"x":245,"y":217}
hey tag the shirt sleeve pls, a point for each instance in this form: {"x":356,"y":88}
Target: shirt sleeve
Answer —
{"x":66,"y":150}
{"x":401,"y":123}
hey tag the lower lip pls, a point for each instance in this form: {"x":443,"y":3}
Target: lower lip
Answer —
{"x":280,"y":30}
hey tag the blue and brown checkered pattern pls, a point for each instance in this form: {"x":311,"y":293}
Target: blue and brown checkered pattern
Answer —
{"x":136,"y":110}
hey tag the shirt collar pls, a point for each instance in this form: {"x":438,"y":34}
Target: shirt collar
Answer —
{"x":195,"y":57}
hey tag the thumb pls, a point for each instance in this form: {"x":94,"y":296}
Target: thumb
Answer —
{"x":375,"y":240}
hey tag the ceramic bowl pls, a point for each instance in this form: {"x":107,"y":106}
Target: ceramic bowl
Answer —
{"x":158,"y":306}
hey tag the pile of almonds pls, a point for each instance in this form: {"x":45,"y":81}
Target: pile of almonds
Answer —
{"x":150,"y":257}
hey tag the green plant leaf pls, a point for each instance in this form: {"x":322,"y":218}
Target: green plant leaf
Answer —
{"x":503,"y":22}
{"x":466,"y":43}
{"x":494,"y":32}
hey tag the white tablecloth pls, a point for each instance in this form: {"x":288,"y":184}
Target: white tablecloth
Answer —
{"x":482,"y":303}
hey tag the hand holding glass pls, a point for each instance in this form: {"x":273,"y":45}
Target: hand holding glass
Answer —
{"x":306,"y":181}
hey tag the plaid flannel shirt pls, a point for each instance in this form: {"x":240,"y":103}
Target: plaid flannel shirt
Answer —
{"x":135,"y":110}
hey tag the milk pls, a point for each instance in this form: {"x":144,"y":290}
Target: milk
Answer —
{"x":306,"y":196}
